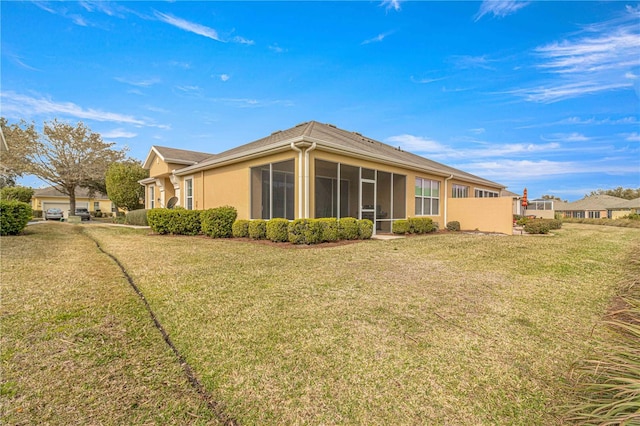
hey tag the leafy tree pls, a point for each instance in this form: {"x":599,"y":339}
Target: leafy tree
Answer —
{"x":21,"y":139}
{"x":66,"y":156}
{"x":17,"y":193}
{"x":122,"y":184}
{"x":620,"y":192}
{"x":552,"y":197}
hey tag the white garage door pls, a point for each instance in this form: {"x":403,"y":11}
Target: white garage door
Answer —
{"x":62,"y":206}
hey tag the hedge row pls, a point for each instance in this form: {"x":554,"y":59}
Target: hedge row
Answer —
{"x":216,"y":223}
{"x":14,"y":216}
{"x":621,"y":222}
{"x":414,"y":225}
{"x":304,"y":231}
{"x":541,"y":226}
{"x":135,"y":217}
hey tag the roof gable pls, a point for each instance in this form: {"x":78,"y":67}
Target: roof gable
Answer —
{"x":53,"y":191}
{"x":176,"y":156}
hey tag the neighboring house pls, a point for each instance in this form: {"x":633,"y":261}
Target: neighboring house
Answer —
{"x":50,"y":197}
{"x":517,"y":207}
{"x":544,"y":208}
{"x":316,"y":170}
{"x":599,"y":206}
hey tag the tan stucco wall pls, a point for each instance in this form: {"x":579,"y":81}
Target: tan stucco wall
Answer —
{"x":160,"y":168}
{"x":544,"y":214}
{"x":230,"y":185}
{"x":484,"y":214}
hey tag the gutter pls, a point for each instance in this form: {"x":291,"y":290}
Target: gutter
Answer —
{"x":300,"y":177}
{"x":446,"y":198}
{"x":307,"y":188}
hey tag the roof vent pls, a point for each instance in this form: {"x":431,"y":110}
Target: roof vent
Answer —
{"x":332,"y":125}
{"x":276,"y":132}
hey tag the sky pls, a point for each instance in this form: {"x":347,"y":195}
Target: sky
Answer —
{"x":542,"y":95}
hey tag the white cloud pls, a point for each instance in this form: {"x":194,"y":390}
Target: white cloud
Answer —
{"x":118,"y":133}
{"x":478,"y":131}
{"x":276,"y":48}
{"x":567,"y":137}
{"x":391,"y":4}
{"x":225,"y":77}
{"x":601,"y":57}
{"x":243,"y":40}
{"x":416,"y":144}
{"x":499,"y":8}
{"x":470,"y":62}
{"x":139,"y":83}
{"x":23,"y":106}
{"x":188,"y":88}
{"x":632,"y":137}
{"x":377,"y":38}
{"x":426,"y":80}
{"x":191,"y":27}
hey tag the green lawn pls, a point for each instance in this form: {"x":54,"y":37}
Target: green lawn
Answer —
{"x":440,"y":329}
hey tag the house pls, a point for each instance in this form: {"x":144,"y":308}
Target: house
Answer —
{"x":51,"y":197}
{"x":317,"y":170}
{"x":517,"y":207}
{"x":599,"y":206}
{"x":544,"y":208}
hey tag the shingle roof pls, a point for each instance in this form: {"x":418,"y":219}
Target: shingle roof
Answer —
{"x":329,"y":136}
{"x":173,"y":155}
{"x":597,"y":202}
{"x":52,"y":191}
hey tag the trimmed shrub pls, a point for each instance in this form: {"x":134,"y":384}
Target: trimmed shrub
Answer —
{"x":218,"y":222}
{"x":135,"y":217}
{"x":258,"y":229}
{"x":17,"y":193}
{"x":240,"y":228}
{"x":555,"y":224}
{"x":305,"y":231}
{"x":14,"y":216}
{"x":348,"y":228}
{"x":278,"y":230}
{"x":400,"y":227}
{"x":174,"y":221}
{"x":37,"y":213}
{"x":330,"y":229}
{"x":365,"y":229}
{"x":421,"y":225}
{"x":454,"y":225}
{"x":537,"y":226}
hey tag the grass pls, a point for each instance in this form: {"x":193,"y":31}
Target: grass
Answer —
{"x":445,"y":329}
{"x":77,"y":347}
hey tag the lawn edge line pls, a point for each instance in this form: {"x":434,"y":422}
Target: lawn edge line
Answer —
{"x":215,"y":406}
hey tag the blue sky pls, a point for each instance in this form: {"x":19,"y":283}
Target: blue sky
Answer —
{"x":543,"y":95}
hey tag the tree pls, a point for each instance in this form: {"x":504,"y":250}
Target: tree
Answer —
{"x":66,"y":156}
{"x":17,"y":193}
{"x":122,"y":184}
{"x":22,"y":139}
{"x":552,"y":197}
{"x":620,"y":192}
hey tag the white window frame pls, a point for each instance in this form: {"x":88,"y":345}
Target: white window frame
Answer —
{"x":459,"y":191}
{"x":485,"y":193}
{"x":188,"y":199}
{"x":152,"y":196}
{"x":430,"y":197}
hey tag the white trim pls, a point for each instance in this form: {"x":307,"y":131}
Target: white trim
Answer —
{"x":184,"y":189}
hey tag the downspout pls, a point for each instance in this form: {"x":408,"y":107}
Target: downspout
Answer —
{"x":446,"y":198}
{"x":300,"y":178}
{"x":307,"y":187}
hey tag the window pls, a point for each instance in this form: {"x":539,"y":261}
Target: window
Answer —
{"x":460,"y":191}
{"x":427,"y":197}
{"x":594,"y":215}
{"x":152,"y":197}
{"x":483,"y":193}
{"x":188,"y":194}
{"x":96,"y":206}
{"x":272,"y":191}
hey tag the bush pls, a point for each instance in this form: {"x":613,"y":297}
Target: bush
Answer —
{"x":14,"y":216}
{"x":632,"y":216}
{"x":454,"y":225}
{"x":330,"y":229}
{"x":16,"y":193}
{"x":348,"y":228}
{"x":218,"y":222}
{"x":37,"y":213}
{"x":278,"y":230}
{"x":174,"y":221}
{"x":365,"y":229}
{"x":537,"y":226}
{"x":400,"y":227}
{"x":305,"y":231}
{"x":421,"y":225}
{"x":135,"y":217}
{"x":258,"y":229}
{"x":555,"y":223}
{"x":240,"y":228}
